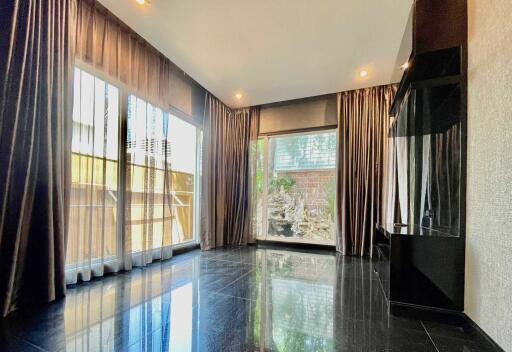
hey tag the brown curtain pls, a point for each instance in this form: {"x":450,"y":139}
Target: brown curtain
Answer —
{"x":363,"y":125}
{"x":227,"y":135}
{"x":36,"y":60}
{"x":110,"y":46}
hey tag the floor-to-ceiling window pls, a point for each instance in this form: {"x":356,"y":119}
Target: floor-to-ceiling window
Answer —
{"x":295,"y":187}
{"x":157,"y":165}
{"x":162,"y":157}
{"x":92,"y":239}
{"x":185,"y":139}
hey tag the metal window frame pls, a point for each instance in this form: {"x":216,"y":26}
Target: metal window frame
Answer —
{"x":266,"y":156}
{"x":124,"y":93}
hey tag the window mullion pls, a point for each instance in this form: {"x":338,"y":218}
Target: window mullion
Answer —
{"x":121,"y":175}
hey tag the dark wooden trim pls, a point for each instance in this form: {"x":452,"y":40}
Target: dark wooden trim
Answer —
{"x":298,"y":100}
{"x":299,"y":130}
{"x":295,"y":245}
{"x":425,"y":308}
{"x":185,"y":249}
{"x":447,"y":316}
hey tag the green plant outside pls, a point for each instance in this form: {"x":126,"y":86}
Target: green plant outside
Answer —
{"x":286,"y":182}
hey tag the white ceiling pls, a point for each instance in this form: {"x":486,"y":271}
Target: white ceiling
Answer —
{"x":273,"y":50}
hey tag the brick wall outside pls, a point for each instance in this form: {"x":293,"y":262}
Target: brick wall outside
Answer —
{"x":311,"y":185}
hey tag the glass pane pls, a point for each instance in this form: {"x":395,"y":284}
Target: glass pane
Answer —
{"x":301,"y":187}
{"x":183,"y":137}
{"x":257,"y":201}
{"x":148,"y":176}
{"x":94,"y":192}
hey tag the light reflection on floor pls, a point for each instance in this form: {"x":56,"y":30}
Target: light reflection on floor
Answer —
{"x":229,"y":300}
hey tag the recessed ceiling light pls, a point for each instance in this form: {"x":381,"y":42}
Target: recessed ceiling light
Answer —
{"x":363,"y":73}
{"x":141,"y":2}
{"x":238,"y":96}
{"x":405,"y":66}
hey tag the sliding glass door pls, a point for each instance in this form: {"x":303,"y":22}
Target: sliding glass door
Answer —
{"x":162,"y":162}
{"x":153,"y":155}
{"x":296,"y":189}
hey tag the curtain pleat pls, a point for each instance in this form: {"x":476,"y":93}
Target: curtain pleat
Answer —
{"x":36,"y":60}
{"x":110,"y":46}
{"x":363,"y":148}
{"x":227,"y":136}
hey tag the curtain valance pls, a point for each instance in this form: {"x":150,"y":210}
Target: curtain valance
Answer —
{"x":106,"y":43}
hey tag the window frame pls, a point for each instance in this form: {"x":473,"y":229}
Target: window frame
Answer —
{"x":124,"y":93}
{"x":265,"y":236}
{"x":197,"y":181}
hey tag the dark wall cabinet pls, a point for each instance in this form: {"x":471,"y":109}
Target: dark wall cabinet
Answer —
{"x":420,"y":258}
{"x":420,"y":268}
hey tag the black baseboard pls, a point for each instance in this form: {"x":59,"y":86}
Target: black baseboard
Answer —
{"x":489,"y":339}
{"x":186,"y":249}
{"x":295,"y":246}
{"x":445,"y":316}
{"x":440,"y":315}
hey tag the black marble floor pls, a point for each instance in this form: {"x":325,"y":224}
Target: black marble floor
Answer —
{"x":233,"y":300}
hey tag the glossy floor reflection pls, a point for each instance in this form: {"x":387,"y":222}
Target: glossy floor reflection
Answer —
{"x":232,"y":300}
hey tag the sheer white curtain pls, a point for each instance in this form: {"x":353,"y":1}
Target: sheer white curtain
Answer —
{"x":97,"y":240}
{"x":93,"y":243}
{"x":148,"y":216}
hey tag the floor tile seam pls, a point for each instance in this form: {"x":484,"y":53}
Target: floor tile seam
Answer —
{"x":23,"y":340}
{"x":225,"y":294}
{"x":232,"y":282}
{"x":211,"y":256}
{"x":383,"y":292}
{"x":359,"y":320}
{"x":456,"y":338}
{"x":218,"y":258}
{"x":430,"y":337}
{"x":233,"y":261}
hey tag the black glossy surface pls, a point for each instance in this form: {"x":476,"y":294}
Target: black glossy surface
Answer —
{"x":427,"y":271}
{"x":412,"y":230}
{"x":233,"y":300}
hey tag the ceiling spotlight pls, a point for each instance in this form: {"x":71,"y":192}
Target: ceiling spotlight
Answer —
{"x":363,"y":73}
{"x":141,"y":2}
{"x":238,"y":96}
{"x":405,"y":66}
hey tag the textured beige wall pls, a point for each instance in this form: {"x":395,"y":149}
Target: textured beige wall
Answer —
{"x":488,"y":298}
